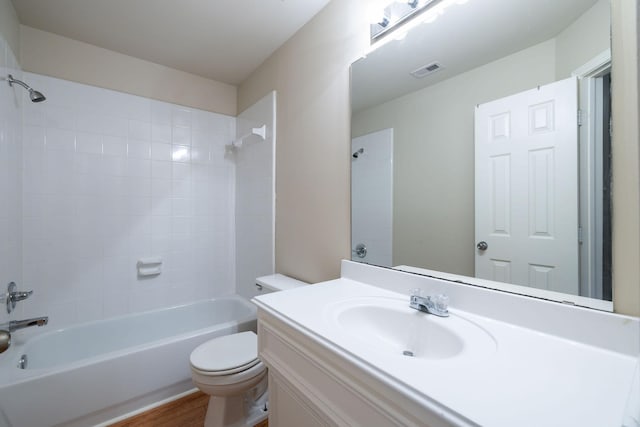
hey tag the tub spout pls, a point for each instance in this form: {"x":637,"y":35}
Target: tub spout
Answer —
{"x":15,"y":325}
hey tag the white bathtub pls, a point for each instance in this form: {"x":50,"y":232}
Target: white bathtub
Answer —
{"x":95,"y":372}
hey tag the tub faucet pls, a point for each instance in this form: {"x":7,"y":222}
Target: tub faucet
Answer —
{"x":7,"y":328}
{"x":15,"y":325}
{"x":437,"y":304}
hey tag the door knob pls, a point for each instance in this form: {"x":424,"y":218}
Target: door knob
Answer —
{"x":360,"y":250}
{"x":482,"y":246}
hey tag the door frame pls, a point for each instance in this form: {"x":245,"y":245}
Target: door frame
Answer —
{"x":590,"y":165}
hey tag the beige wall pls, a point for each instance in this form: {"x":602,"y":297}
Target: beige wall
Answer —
{"x":588,"y":36}
{"x":53,"y":55}
{"x":626,"y":158}
{"x":311,"y":75}
{"x":434,"y":196}
{"x":10,"y":28}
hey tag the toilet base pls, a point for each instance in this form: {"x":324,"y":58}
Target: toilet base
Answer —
{"x":237,"y":411}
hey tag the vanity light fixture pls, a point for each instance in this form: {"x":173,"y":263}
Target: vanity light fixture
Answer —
{"x":396,"y":12}
{"x":392,"y":15}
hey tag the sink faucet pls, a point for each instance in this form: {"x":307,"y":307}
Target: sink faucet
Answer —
{"x":437,"y":304}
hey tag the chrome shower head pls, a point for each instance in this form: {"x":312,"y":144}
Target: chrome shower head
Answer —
{"x":357,"y":153}
{"x":34,"y":95}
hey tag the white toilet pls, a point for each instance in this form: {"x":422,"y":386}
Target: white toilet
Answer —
{"x":227,"y":368}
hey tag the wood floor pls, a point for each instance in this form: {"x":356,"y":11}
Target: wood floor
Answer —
{"x":188,"y":411}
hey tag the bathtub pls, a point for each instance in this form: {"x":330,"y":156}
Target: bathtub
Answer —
{"x":96,"y":372}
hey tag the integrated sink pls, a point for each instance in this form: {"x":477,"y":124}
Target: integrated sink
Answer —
{"x":388,"y":325}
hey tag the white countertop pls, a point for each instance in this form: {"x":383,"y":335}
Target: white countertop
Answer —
{"x":532,"y":378}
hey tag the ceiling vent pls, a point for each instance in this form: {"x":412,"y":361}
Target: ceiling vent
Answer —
{"x":425,"y":70}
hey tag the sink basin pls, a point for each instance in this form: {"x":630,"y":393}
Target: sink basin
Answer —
{"x":389,"y":325}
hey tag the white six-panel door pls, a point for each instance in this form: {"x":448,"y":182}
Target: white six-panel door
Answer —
{"x":526,"y":188}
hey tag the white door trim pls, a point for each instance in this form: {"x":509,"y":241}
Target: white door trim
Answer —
{"x":590,"y":137}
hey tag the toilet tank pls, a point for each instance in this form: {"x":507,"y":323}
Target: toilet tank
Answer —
{"x":277,"y":282}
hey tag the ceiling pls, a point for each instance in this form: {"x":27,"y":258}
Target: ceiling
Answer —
{"x":466,"y":35}
{"x":223,"y":40}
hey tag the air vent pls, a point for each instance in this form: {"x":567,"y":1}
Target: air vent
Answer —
{"x":425,"y":70}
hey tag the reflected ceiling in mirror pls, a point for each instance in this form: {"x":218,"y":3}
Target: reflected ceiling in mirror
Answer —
{"x":514,"y":73}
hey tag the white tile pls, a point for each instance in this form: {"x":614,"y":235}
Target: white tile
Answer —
{"x":161,"y":224}
{"x":86,"y":184}
{"x":161,"y":112}
{"x":180,"y":116}
{"x":114,"y":126}
{"x":88,"y":121}
{"x":181,"y":153}
{"x":116,"y":185}
{"x":139,"y":149}
{"x":140,"y":186}
{"x":127,"y":192}
{"x":139,"y":130}
{"x":140,"y":205}
{"x":60,"y":117}
{"x":137,"y":108}
{"x":86,"y":163}
{"x":114,"y":146}
{"x":161,"y":206}
{"x":181,"y":136}
{"x":115,"y":304}
{"x":142,"y":226}
{"x":181,"y":225}
{"x":181,"y":189}
{"x":160,"y":151}
{"x":33,"y":137}
{"x":161,"y":132}
{"x":139,"y":168}
{"x":161,"y":188}
{"x":90,"y":309}
{"x":181,"y":207}
{"x":88,"y":143}
{"x":114,"y":166}
{"x":161,"y":170}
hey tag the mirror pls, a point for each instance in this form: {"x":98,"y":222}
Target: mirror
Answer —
{"x":481,"y":148}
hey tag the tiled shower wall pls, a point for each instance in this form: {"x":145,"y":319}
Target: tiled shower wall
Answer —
{"x":10,"y":176}
{"x":110,"y":178}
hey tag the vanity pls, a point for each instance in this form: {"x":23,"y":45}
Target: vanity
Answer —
{"x":351,"y":352}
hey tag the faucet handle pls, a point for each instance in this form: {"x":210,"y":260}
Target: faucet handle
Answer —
{"x":13,"y":296}
{"x":441,"y":302}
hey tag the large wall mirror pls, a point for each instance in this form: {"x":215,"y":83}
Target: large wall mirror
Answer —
{"x":481,"y":148}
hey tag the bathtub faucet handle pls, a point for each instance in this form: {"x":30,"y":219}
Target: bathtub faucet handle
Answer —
{"x":13,"y":296}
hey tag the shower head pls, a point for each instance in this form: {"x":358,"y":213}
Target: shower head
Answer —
{"x":357,"y":153}
{"x":34,"y":95}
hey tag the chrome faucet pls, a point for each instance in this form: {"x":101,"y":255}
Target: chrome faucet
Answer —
{"x":437,"y":304}
{"x":15,"y":325}
{"x":13,"y":296}
{"x":7,"y":328}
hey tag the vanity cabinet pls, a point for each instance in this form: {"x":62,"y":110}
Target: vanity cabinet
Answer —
{"x":313,"y":384}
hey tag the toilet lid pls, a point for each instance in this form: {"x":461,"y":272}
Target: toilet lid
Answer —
{"x":226,"y":353}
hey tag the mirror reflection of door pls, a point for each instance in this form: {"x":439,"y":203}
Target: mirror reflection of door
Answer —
{"x":527,"y":188}
{"x":372,"y":198}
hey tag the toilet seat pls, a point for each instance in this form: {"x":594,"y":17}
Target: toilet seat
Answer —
{"x":226,"y":355}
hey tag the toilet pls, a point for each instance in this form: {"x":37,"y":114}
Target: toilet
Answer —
{"x":227,"y":368}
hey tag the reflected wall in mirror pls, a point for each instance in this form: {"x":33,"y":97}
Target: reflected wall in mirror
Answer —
{"x":499,"y":166}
